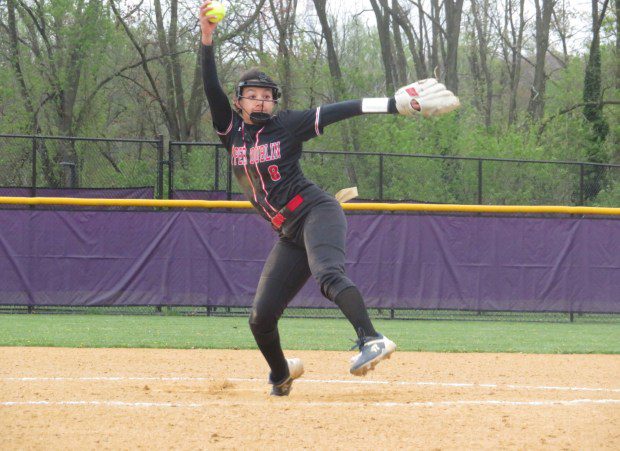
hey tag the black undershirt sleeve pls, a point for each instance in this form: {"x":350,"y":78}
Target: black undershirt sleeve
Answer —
{"x":221,"y":112}
{"x":339,"y":111}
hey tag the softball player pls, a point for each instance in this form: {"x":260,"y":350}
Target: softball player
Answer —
{"x":265,"y":149}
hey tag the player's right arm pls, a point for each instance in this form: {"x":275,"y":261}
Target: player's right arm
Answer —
{"x":221,"y":111}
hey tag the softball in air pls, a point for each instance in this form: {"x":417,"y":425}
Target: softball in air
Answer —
{"x":218,"y":10}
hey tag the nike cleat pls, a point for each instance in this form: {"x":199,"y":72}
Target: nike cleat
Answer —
{"x":372,"y":351}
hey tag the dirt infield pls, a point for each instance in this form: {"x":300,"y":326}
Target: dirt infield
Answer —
{"x":56,"y":398}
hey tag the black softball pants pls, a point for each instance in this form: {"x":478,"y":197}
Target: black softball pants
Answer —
{"x":317,"y":248}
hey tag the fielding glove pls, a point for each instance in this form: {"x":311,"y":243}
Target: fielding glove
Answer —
{"x":433,"y":97}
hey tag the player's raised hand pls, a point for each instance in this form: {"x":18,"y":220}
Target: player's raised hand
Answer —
{"x":427,"y":97}
{"x":206,"y":26}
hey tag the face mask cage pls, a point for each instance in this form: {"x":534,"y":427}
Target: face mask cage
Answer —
{"x":259,"y":118}
{"x":263,"y":81}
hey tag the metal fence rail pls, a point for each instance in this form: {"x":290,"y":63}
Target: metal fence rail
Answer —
{"x":39,"y":161}
{"x":35,"y":162}
{"x":420,"y":178}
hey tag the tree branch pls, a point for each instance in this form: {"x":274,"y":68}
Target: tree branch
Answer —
{"x":143,"y":63}
{"x":544,"y":124}
{"x":111,"y":77}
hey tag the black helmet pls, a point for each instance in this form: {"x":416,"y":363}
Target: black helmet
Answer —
{"x":257,"y":78}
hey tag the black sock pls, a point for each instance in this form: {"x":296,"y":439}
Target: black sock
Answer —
{"x":269,"y":345}
{"x":352,"y":305}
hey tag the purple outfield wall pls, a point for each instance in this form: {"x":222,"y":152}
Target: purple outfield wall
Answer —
{"x":79,"y":257}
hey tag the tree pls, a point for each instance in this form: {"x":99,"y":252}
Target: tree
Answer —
{"x":57,"y":62}
{"x":283,"y":14}
{"x":453,"y":11}
{"x":536,"y":106}
{"x":593,"y":110}
{"x":181,"y":117}
{"x":512,"y":44}
{"x":479,"y":57}
{"x":387,"y":51}
{"x":592,"y":81}
{"x":348,"y":132}
{"x":415,"y":40}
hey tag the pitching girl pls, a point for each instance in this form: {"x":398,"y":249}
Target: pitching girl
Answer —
{"x":265,"y":148}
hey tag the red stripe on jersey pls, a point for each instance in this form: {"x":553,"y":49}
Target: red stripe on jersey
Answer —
{"x":316,"y":122}
{"x":245,"y":167}
{"x":229,"y":127}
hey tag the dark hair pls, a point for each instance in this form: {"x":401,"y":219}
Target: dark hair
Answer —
{"x":255,"y":74}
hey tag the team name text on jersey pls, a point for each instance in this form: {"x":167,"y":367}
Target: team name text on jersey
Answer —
{"x":258,"y":154}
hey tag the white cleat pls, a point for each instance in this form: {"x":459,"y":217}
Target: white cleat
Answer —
{"x":372,"y":351}
{"x":283,"y":388}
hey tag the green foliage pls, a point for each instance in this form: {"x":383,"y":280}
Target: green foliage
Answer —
{"x":125,"y":107}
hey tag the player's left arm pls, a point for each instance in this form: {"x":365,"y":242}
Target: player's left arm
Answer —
{"x":425,"y":97}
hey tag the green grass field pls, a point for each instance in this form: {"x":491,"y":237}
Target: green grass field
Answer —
{"x":188,"y":332}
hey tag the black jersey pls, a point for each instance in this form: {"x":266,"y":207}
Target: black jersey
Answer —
{"x":265,"y":159}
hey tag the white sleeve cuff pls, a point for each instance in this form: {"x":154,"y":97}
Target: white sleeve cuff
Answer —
{"x":375,"y":105}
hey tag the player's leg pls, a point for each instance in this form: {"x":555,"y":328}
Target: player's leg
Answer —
{"x":285,"y":272}
{"x":324,"y":236}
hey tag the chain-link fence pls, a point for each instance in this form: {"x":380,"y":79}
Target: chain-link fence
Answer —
{"x":420,"y":178}
{"x":325,"y":313}
{"x":38,"y":164}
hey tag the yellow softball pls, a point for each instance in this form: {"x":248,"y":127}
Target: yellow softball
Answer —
{"x":218,"y":10}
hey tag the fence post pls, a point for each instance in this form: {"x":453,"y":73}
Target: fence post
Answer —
{"x":229,"y":179}
{"x":581,"y":180}
{"x":480,"y":182}
{"x":216,"y":180}
{"x":33,"y":187}
{"x":381,"y":177}
{"x":170,"y":170}
{"x":160,"y":167}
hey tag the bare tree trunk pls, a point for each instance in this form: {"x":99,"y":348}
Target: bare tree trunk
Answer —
{"x":283,"y":14}
{"x":592,"y":82}
{"x":177,"y":77}
{"x":561,"y":22}
{"x":416,"y":45}
{"x":383,"y":29}
{"x":338,"y":82}
{"x":162,"y":40}
{"x":593,"y":110}
{"x":14,"y":58}
{"x":437,"y":47}
{"x":401,"y":61}
{"x":536,"y":106}
{"x":482,"y":33}
{"x":617,"y":44}
{"x":453,"y":11}
{"x":474,"y":67}
{"x":616,"y":154}
{"x":512,"y":54}
{"x":195,"y":99}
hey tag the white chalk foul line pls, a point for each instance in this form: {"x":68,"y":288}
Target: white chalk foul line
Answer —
{"x":313,"y":381}
{"x":542,"y":403}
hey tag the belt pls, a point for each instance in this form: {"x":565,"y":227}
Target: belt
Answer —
{"x":285,"y":212}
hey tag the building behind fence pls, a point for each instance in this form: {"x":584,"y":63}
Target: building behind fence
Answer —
{"x":48,"y":165}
